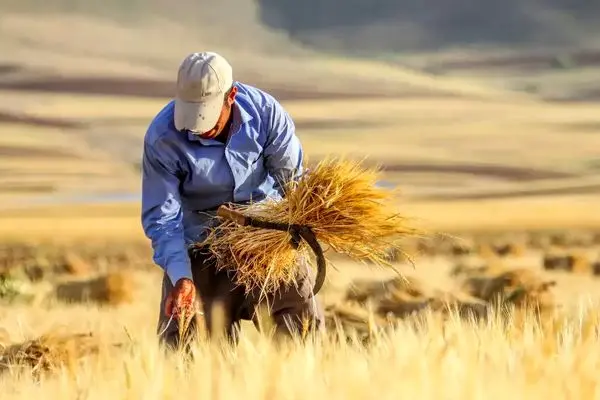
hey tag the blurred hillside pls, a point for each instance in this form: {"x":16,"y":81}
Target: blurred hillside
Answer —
{"x":392,"y":25}
{"x":288,"y":44}
{"x":355,"y":26}
{"x":469,"y":99}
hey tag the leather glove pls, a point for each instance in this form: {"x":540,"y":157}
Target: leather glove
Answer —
{"x":181,"y":298}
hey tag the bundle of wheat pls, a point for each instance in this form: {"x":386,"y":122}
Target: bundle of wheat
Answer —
{"x":519,"y":286}
{"x":342,"y":203}
{"x":50,"y":352}
{"x":350,"y":320}
{"x":363,"y":291}
{"x":575,"y":262}
{"x":460,"y":304}
{"x":114,"y":288}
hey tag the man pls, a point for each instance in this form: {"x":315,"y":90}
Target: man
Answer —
{"x":219,"y":141}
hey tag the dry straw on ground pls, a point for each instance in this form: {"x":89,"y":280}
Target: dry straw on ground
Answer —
{"x":363,"y":291}
{"x":342,"y":203}
{"x":519,"y":286}
{"x":399,"y":298}
{"x":49,"y":353}
{"x":575,"y":262}
{"x":454,"y":359}
{"x":113,"y":289}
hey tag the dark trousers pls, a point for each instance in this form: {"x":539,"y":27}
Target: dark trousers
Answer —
{"x":290,"y":307}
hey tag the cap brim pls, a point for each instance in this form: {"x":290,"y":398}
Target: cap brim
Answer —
{"x":197,"y":117}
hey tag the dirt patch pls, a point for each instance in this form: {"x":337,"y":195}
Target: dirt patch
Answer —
{"x":154,"y":88}
{"x":574,"y":190}
{"x":138,"y":87}
{"x":583,"y":127}
{"x":584,"y":58}
{"x":27,"y":152}
{"x":336,"y":124}
{"x":39,"y":121}
{"x":109,"y":86}
{"x":504,"y":172}
{"x":27,"y":188}
{"x":496,"y":171}
{"x":10,"y":68}
{"x":580,"y":96}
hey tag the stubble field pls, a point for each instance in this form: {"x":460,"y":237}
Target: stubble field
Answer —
{"x":497,"y":313}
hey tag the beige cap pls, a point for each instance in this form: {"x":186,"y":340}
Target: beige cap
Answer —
{"x":202,"y":81}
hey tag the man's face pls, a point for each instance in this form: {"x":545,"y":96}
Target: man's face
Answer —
{"x":223,"y":117}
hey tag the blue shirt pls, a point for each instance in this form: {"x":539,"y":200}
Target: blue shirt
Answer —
{"x":183,"y":174}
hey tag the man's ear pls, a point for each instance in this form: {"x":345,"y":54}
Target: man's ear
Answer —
{"x":231,"y":95}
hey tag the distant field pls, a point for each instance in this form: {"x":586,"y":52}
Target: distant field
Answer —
{"x":36,"y":159}
{"x":112,"y":220}
{"x":460,"y":134}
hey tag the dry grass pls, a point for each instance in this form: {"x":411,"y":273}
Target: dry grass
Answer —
{"x":446,"y":354}
{"x":338,"y":200}
{"x":432,"y":359}
{"x":412,"y":340}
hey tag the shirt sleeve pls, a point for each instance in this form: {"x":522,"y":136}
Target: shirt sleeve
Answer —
{"x":283,"y":151}
{"x":161,"y":214}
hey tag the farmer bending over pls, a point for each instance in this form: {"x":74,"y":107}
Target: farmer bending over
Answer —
{"x":219,"y":141}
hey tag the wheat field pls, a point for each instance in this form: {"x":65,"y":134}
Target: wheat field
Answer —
{"x":454,"y":360}
{"x":516,"y":352}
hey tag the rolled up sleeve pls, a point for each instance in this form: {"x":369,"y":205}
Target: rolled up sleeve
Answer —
{"x":283,"y":151}
{"x":161,"y":214}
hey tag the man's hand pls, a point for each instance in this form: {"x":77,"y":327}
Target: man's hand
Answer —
{"x":181,"y":298}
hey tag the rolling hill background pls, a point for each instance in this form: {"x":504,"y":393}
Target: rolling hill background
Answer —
{"x":438,"y":91}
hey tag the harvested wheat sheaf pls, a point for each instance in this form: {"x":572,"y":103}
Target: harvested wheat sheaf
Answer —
{"x":50,"y":352}
{"x":114,"y":288}
{"x":339,"y":199}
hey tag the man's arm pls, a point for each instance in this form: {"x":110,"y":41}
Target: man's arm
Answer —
{"x":162,"y":215}
{"x":283,"y":151}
